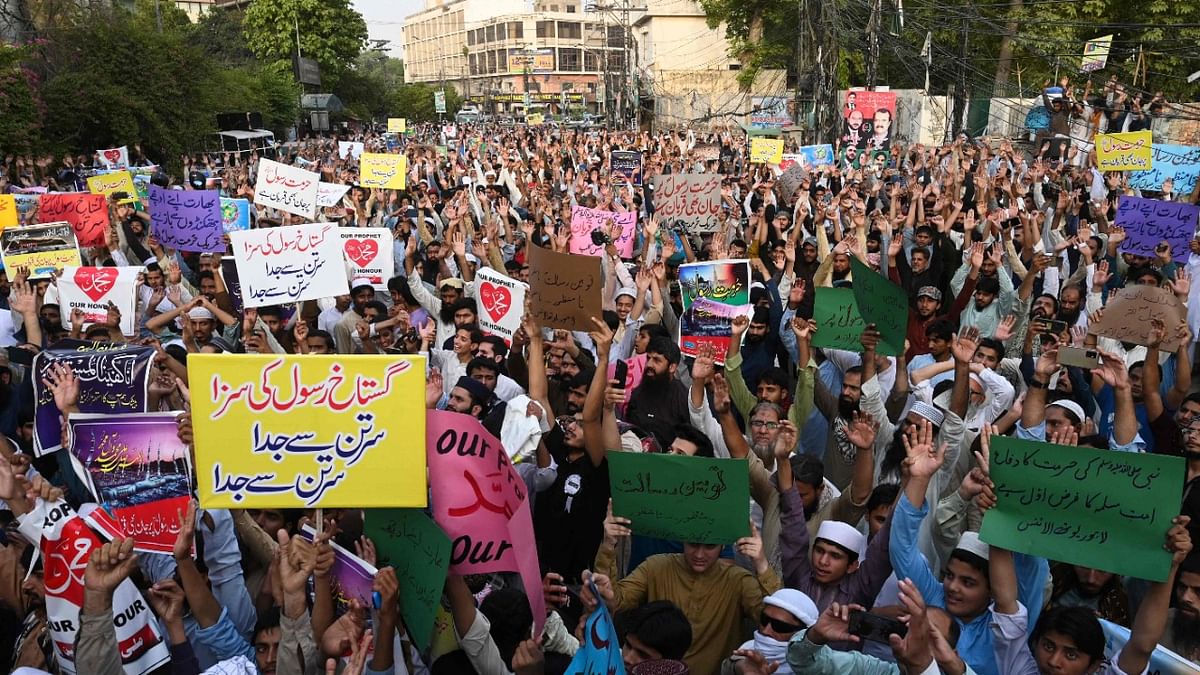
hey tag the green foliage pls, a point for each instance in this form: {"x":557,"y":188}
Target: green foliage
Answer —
{"x":20,"y":119}
{"x":220,"y":36}
{"x":331,"y":32}
{"x":415,"y":102}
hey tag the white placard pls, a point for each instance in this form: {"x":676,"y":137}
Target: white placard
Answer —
{"x":92,"y":288}
{"x":289,"y":264}
{"x":329,"y":194}
{"x":287,"y":188}
{"x":368,"y":250}
{"x":349,"y":148}
{"x":501,"y":302}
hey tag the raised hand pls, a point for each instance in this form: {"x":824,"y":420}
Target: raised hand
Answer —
{"x":704,"y":366}
{"x":752,"y":548}
{"x":924,"y":459}
{"x":862,"y":430}
{"x":1004,"y":331}
{"x":1182,"y":282}
{"x":62,"y":382}
{"x":965,"y":343}
{"x":186,"y":539}
{"x":109,"y":565}
{"x":785,"y":441}
{"x":616,"y":528}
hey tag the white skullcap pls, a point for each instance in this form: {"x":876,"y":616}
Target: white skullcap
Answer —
{"x":631,"y":292}
{"x":360,"y":281}
{"x":971,"y":543}
{"x":846,"y":536}
{"x":200,"y":314}
{"x":471,"y":258}
{"x":935,"y":416}
{"x":1068,"y":404}
{"x":795,"y":603}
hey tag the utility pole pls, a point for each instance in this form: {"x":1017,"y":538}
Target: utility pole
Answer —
{"x":827,"y":108}
{"x":960,"y":90}
{"x":1004,"y":59}
{"x":873,"y":42}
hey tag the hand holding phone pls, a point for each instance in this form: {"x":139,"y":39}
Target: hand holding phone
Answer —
{"x":874,"y":627}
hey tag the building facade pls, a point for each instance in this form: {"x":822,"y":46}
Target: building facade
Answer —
{"x":494,"y":52}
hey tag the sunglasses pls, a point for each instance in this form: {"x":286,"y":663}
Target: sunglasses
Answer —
{"x":780,"y":626}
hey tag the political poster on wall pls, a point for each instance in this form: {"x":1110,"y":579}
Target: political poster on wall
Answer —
{"x":868,"y":118}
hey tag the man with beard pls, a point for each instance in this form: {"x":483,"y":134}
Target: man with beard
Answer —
{"x":1100,"y":591}
{"x":1183,"y":628}
{"x":1070,"y":306}
{"x":994,"y":293}
{"x":569,"y":516}
{"x":659,"y":403}
{"x":361,"y":293}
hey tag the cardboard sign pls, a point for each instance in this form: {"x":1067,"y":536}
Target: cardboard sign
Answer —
{"x":114,"y":157}
{"x":235,"y":214}
{"x":1097,"y":508}
{"x":117,"y":181}
{"x":565,"y":289}
{"x":707,"y":152}
{"x":287,"y":188}
{"x":113,"y":379}
{"x":330,"y":194}
{"x":1148,"y":222}
{"x":501,"y":302}
{"x":535,"y":119}
{"x":1130,"y":151}
{"x":396,"y":125}
{"x":91,"y":289}
{"x":693,"y":499}
{"x":41,"y":248}
{"x":307,"y":431}
{"x":289,"y":264}
{"x":479,"y":501}
{"x":882,"y":303}
{"x":585,"y":220}
{"x":369,"y":252}
{"x":382,"y":171}
{"x":1179,"y":163}
{"x":66,"y":541}
{"x":839,"y":325}
{"x":790,"y":181}
{"x":136,"y":466}
{"x":188,"y":220}
{"x":626,"y":167}
{"x":417,"y":549}
{"x":87,"y":214}
{"x":1130,"y":311}
{"x":713,"y":294}
{"x":690,"y":200}
{"x":766,"y":150}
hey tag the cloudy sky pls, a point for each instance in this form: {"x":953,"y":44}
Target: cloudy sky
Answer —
{"x":385,"y":17}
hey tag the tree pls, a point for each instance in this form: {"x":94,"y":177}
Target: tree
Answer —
{"x":415,"y":102}
{"x":331,"y":32}
{"x":20,"y":119}
{"x":219,"y":34}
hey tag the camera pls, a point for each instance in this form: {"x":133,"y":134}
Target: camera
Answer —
{"x":600,"y":239}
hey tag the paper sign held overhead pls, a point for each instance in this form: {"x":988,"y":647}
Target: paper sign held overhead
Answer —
{"x":287,"y":188}
{"x":91,"y":289}
{"x":584,"y":221}
{"x":189,"y":220}
{"x":501,"y":302}
{"x":690,"y":200}
{"x":368,"y":250}
{"x":378,"y":170}
{"x":564,"y":289}
{"x":693,"y":499}
{"x":713,"y":294}
{"x":306,"y":431}
{"x":289,"y":264}
{"x":1149,"y":222}
{"x":40,"y":248}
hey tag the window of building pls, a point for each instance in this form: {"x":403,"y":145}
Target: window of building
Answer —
{"x":553,"y":8}
{"x":616,"y":36}
{"x":502,"y":60}
{"x":491,"y":62}
{"x":570,"y":9}
{"x":473,"y":63}
{"x":490,"y":33}
{"x":470,"y":37}
{"x":569,"y":29}
{"x":516,"y":30}
{"x":569,"y":60}
{"x":545,"y":29}
{"x":591,"y":61}
{"x":501,"y":31}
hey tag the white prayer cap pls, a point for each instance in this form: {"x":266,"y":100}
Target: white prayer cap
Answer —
{"x":935,"y":416}
{"x":971,"y":543}
{"x":795,"y":603}
{"x":360,"y":281}
{"x":1068,"y":404}
{"x":200,"y":314}
{"x":631,"y":292}
{"x":843,"y":535}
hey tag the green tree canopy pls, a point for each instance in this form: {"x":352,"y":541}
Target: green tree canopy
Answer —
{"x":331,"y":32}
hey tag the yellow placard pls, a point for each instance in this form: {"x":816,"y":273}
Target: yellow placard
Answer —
{"x":117,"y":181}
{"x":396,"y":125}
{"x":378,"y":170}
{"x":8,"y":211}
{"x":1130,"y":151}
{"x":766,"y":150}
{"x":535,"y":119}
{"x":274,"y":431}
{"x":42,"y":263}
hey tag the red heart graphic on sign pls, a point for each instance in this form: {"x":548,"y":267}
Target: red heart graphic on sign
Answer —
{"x":113,"y":156}
{"x":361,"y":251}
{"x":95,"y":282}
{"x":496,"y":299}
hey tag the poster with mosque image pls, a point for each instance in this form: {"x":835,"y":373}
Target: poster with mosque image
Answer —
{"x":713,"y":294}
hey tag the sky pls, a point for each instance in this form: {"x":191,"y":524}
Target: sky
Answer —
{"x":384,"y":19}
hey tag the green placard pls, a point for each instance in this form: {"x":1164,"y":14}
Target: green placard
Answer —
{"x":689,"y":499}
{"x":409,"y":541}
{"x":839,"y":324}
{"x":1098,"y":508}
{"x":882,"y":303}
